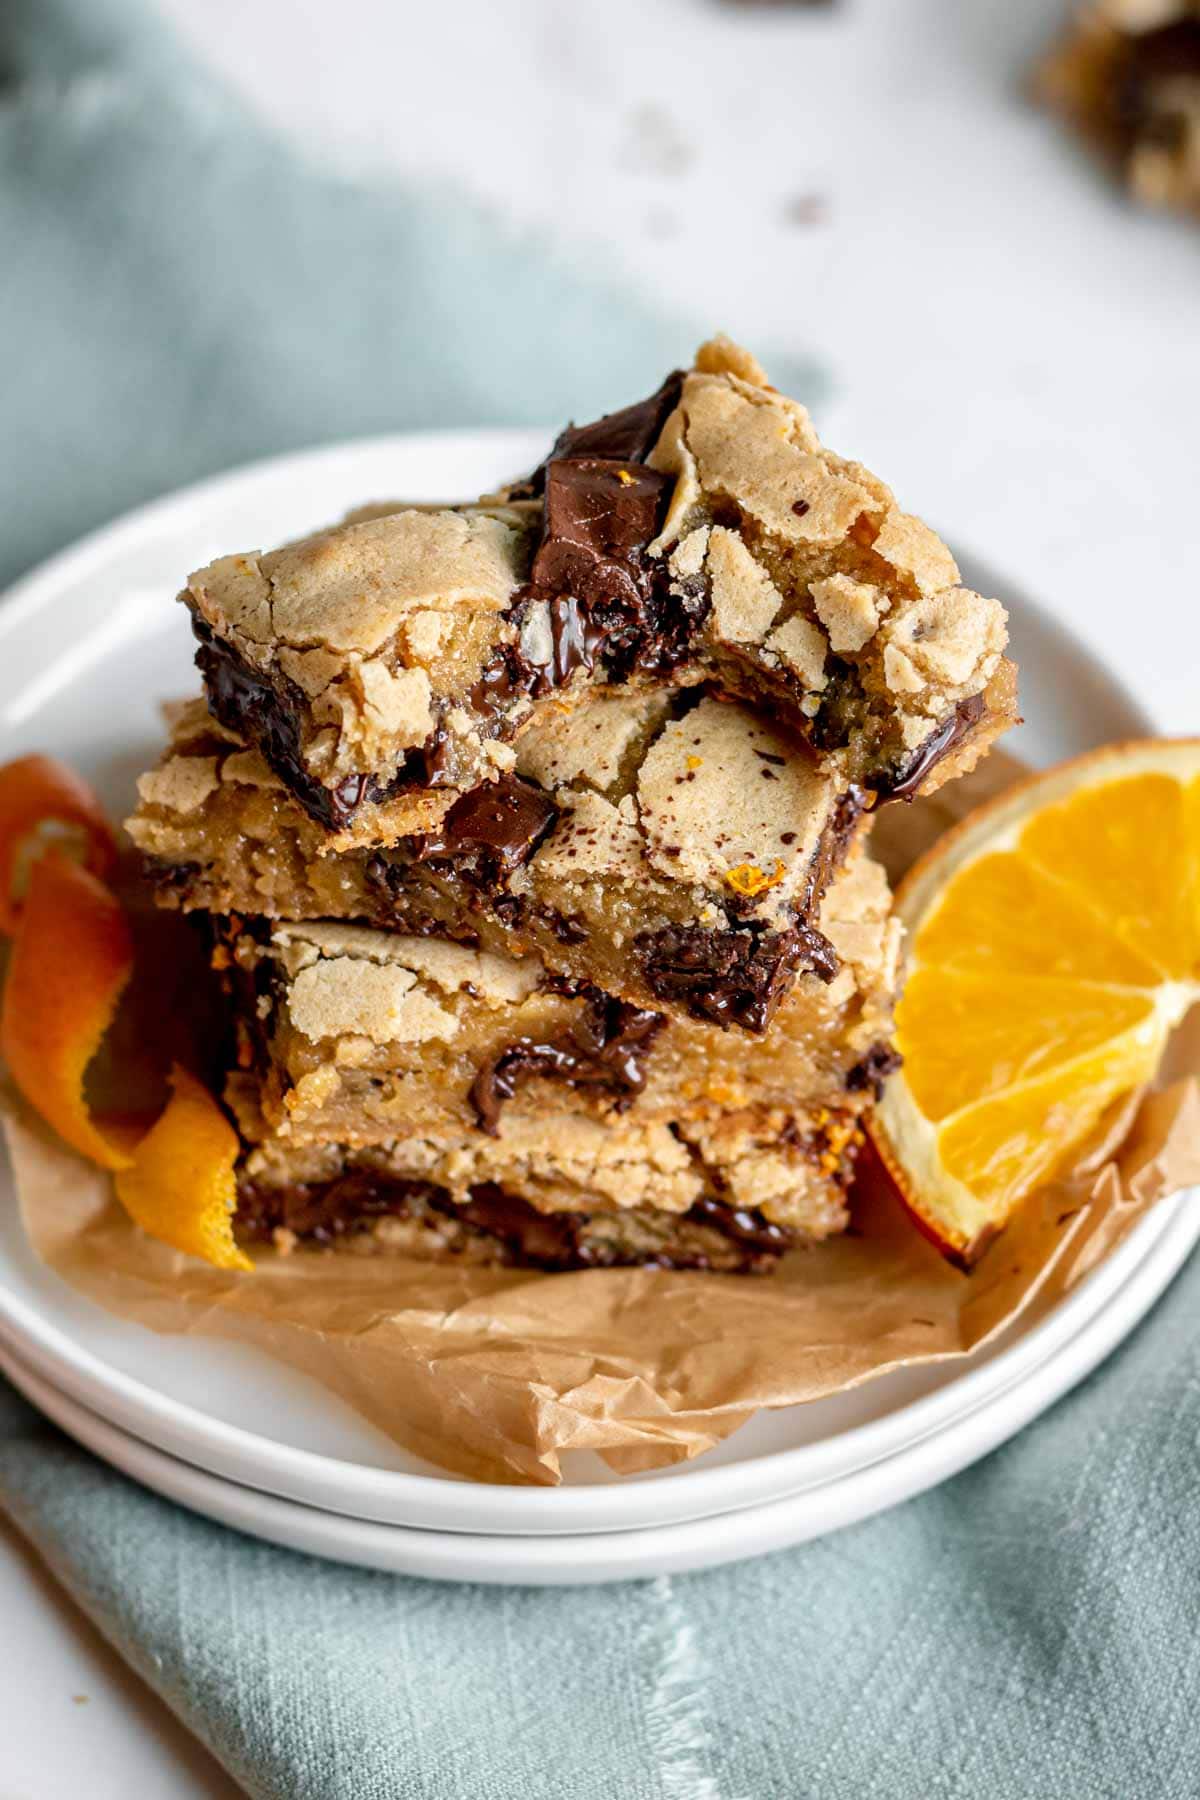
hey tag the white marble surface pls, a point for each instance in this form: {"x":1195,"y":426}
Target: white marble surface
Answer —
{"x":1013,"y":347}
{"x":77,"y":1721}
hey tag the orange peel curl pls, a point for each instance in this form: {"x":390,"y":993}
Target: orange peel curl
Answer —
{"x":180,"y":1187}
{"x":37,"y":791}
{"x":70,"y":964}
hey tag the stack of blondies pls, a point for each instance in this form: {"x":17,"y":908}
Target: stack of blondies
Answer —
{"x":529,"y":834}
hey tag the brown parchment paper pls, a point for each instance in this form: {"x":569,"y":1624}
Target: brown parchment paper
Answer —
{"x":497,"y":1373}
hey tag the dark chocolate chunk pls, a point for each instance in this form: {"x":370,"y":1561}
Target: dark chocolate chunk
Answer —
{"x":496,"y":828}
{"x":731,"y":977}
{"x":321,"y":1212}
{"x":566,"y":927}
{"x":264,"y":713}
{"x":905,"y":780}
{"x":267,"y":713}
{"x":600,"y":515}
{"x":840,"y":712}
{"x":870,"y":1074}
{"x":625,"y":436}
{"x":604,"y":1048}
{"x":607,"y":603}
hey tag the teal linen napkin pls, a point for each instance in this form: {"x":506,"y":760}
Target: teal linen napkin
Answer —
{"x":179,"y":292}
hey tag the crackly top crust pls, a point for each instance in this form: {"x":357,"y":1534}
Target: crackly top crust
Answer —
{"x":715,"y":803}
{"x":818,"y":581}
{"x":1127,"y":75}
{"x":704,"y":534}
{"x":363,"y":639}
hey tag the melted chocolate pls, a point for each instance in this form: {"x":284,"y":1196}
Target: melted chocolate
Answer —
{"x":323,"y":1212}
{"x":604,"y":1048}
{"x":840,"y":826}
{"x":626,"y":436}
{"x":544,"y":1240}
{"x":269,"y":713}
{"x":608,"y":602}
{"x":904,"y":782}
{"x":731,"y":977}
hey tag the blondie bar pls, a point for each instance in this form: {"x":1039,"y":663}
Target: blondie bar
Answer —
{"x":628,"y":1196}
{"x":360,"y":1036}
{"x":386,"y":665}
{"x":667,"y":846}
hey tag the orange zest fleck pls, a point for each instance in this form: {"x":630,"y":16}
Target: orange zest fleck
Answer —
{"x":749,"y":880}
{"x":37,"y":792}
{"x":70,"y":963}
{"x":180,"y":1186}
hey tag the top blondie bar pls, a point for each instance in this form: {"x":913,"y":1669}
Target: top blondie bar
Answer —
{"x":704,"y":535}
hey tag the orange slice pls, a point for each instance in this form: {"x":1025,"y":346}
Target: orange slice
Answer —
{"x":1054,"y":942}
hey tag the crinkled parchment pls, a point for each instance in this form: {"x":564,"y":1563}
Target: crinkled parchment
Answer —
{"x":495,"y":1373}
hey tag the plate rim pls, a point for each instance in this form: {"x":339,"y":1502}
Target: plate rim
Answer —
{"x":130,"y":1405}
{"x":712,"y":1489}
{"x":662,"y":1548}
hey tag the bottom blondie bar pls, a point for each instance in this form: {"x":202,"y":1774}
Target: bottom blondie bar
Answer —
{"x":731,"y":1195}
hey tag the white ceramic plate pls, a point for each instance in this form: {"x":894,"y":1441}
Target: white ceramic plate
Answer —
{"x":89,"y":645}
{"x":558,"y":1560}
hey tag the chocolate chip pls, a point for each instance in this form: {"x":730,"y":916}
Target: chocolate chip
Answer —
{"x":800,"y":507}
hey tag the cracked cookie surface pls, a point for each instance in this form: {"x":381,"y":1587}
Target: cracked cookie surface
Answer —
{"x":669,"y":847}
{"x":704,"y":535}
{"x":359,"y":1035}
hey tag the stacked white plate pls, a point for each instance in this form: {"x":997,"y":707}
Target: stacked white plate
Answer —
{"x":222,"y":1429}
